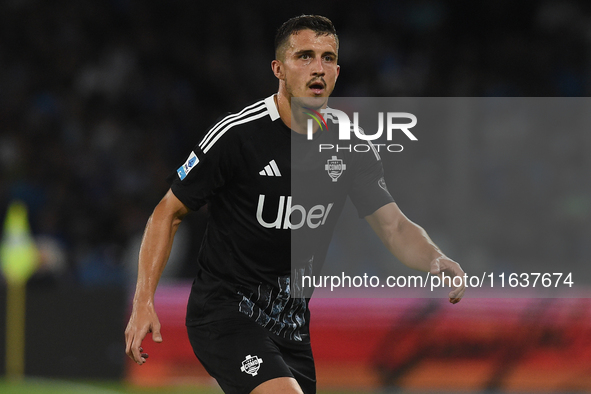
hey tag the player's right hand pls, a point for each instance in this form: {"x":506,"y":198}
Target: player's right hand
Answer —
{"x":443,"y":264}
{"x":142,"y":321}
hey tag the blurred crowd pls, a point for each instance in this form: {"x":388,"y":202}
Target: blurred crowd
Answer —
{"x":101,"y":100}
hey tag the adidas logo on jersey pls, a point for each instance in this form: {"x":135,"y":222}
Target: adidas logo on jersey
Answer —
{"x":270,"y":169}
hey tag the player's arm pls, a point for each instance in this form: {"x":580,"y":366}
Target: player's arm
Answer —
{"x":154,"y":252}
{"x":410,"y":243}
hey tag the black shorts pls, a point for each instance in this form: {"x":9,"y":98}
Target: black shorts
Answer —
{"x":240,"y":355}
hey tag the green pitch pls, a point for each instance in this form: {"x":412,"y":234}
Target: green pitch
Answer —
{"x":53,"y":386}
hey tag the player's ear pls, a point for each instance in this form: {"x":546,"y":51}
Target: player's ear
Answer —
{"x":277,"y":67}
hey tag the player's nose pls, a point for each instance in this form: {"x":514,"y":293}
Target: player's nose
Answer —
{"x":317,"y":67}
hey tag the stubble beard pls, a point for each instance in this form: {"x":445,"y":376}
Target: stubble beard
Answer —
{"x":304,"y":101}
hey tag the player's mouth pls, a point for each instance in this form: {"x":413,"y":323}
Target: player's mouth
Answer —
{"x":317,"y":87}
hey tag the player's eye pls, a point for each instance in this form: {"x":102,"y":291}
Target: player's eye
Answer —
{"x":304,"y":56}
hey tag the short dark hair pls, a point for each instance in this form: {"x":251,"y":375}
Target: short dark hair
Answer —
{"x":317,"y":23}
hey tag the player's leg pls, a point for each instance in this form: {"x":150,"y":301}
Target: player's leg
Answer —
{"x":239,"y":354}
{"x":298,"y":357}
{"x":278,"y":385}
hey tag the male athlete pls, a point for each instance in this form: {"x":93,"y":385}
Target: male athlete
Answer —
{"x":264,"y":184}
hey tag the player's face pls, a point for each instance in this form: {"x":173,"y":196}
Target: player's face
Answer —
{"x":310,"y":67}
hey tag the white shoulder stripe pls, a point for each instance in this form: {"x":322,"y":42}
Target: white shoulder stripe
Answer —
{"x":245,"y":112}
{"x":232,"y":124}
{"x":373,"y":148}
{"x":273,"y":112}
{"x":375,"y":152}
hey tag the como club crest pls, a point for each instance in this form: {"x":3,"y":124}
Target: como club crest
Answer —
{"x":251,"y":365}
{"x":335,"y":167}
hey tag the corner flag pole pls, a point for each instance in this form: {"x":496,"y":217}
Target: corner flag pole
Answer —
{"x":15,"y":331}
{"x":18,"y":259}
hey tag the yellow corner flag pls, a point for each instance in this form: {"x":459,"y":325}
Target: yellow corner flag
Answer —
{"x":19,"y":259}
{"x":18,"y":253}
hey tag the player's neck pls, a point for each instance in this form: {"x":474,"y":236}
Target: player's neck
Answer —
{"x":297,"y":124}
{"x":284,"y":107}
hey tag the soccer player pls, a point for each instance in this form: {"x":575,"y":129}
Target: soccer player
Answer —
{"x":262,"y":184}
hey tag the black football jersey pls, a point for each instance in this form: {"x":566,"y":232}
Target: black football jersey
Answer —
{"x":273,"y":199}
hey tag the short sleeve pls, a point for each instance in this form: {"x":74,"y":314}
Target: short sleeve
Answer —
{"x":208,"y":167}
{"x":368,"y":190}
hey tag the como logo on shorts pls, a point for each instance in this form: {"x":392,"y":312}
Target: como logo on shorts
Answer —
{"x":251,"y":365}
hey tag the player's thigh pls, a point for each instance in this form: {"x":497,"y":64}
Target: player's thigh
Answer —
{"x":298,"y":356}
{"x":238,"y":353}
{"x":278,"y":385}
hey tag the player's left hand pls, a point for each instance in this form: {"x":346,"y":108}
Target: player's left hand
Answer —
{"x":445,"y":265}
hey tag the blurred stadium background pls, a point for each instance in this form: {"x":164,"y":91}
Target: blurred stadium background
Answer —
{"x":101,"y":100}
